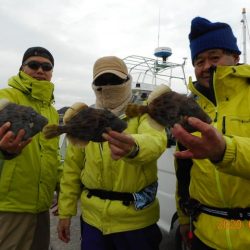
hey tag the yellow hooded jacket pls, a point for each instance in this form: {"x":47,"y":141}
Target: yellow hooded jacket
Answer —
{"x":226,"y":184}
{"x":27,"y":182}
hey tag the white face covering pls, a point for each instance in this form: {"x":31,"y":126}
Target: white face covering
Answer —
{"x":113,"y":97}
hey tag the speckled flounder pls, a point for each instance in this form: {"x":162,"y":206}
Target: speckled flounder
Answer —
{"x":83,"y":124}
{"x":167,"y":107}
{"x":21,"y":117}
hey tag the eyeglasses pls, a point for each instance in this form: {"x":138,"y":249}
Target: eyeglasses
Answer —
{"x":36,"y":65}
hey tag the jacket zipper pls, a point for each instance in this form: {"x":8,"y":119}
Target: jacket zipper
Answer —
{"x":224,"y":125}
{"x":216,"y":117}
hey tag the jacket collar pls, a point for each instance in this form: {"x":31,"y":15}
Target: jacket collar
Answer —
{"x":227,"y":81}
{"x":40,"y":90}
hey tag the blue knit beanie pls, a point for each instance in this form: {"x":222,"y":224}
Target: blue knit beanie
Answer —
{"x":205,"y":35}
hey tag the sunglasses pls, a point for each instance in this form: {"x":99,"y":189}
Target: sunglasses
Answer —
{"x":109,"y":79}
{"x":36,"y":65}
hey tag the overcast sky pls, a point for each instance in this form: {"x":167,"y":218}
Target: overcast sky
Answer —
{"x":77,"y":32}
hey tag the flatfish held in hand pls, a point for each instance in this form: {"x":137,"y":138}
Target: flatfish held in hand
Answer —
{"x":83,"y":124}
{"x":21,"y":117}
{"x":167,"y":107}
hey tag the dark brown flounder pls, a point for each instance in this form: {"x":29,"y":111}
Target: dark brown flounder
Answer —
{"x":167,"y":108}
{"x":83,"y":124}
{"x":21,"y":117}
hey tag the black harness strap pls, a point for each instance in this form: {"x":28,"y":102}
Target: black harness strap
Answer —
{"x":183,"y":176}
{"x":110,"y":195}
{"x":227,"y":213}
{"x":193,"y":208}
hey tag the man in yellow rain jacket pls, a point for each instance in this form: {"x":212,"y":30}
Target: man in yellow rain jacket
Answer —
{"x":116,"y":179}
{"x":215,"y":198}
{"x":28,"y":170}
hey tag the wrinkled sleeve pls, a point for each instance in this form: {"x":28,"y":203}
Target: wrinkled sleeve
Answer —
{"x":151,"y":141}
{"x":70,"y":185}
{"x":236,"y":160}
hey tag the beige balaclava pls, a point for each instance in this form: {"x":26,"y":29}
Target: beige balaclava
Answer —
{"x":112,"y":97}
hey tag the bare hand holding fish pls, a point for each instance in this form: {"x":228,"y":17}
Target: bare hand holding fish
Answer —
{"x":9,"y":142}
{"x":18,"y":124}
{"x":200,"y":147}
{"x":120,"y":144}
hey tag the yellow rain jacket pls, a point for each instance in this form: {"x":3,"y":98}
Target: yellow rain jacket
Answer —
{"x":94,"y":168}
{"x":28,"y":181}
{"x":226,"y":184}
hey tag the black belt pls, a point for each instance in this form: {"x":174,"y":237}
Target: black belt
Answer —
{"x":110,"y":195}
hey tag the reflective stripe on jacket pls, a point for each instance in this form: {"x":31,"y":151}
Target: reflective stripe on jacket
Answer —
{"x":27,"y":182}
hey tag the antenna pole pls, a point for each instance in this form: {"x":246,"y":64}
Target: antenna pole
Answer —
{"x":244,"y":35}
{"x":159,"y":25}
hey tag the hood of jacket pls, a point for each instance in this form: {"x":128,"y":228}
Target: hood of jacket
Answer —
{"x":37,"y":89}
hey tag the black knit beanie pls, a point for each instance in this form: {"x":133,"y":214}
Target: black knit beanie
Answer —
{"x":38,"y":51}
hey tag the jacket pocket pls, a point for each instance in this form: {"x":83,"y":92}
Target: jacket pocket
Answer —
{"x":236,"y":125}
{"x":6,"y":177}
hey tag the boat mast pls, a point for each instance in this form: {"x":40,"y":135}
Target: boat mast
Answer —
{"x":159,"y":26}
{"x":244,"y":27}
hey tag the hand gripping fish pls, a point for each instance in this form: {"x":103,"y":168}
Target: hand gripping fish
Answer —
{"x":83,"y":124}
{"x":21,"y":117}
{"x":167,"y":107}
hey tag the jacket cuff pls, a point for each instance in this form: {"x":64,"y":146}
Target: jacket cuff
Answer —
{"x":229,"y":155}
{"x":134,"y":152}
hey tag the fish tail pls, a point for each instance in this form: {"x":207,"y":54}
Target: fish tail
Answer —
{"x":133,"y":110}
{"x":51,"y":131}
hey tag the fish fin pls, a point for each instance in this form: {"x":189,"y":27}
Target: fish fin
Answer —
{"x":155,"y":124}
{"x":159,"y":90}
{"x":3,"y":103}
{"x":133,"y":110}
{"x":108,"y":129}
{"x":77,"y":142}
{"x":73,"y":110}
{"x":51,"y":131}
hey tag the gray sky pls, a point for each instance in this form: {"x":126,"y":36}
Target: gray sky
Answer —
{"x":77,"y":32}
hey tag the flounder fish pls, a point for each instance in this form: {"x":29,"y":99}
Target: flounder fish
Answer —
{"x":21,"y":117}
{"x":83,"y":124}
{"x":167,"y":107}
